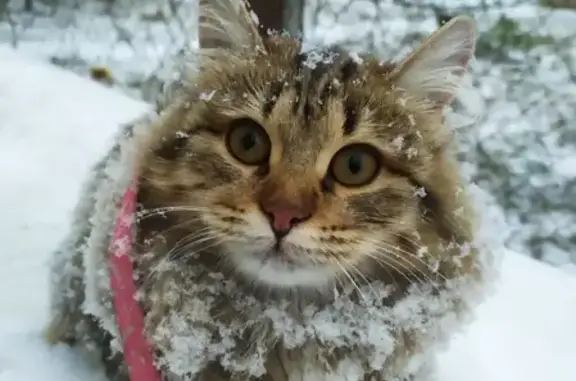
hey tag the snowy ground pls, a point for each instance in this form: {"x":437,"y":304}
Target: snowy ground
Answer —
{"x":53,"y":124}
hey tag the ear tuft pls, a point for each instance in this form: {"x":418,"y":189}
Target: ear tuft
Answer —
{"x":434,"y":71}
{"x":228,"y":24}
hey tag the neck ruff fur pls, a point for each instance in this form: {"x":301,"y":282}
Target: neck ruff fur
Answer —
{"x":206,"y":326}
{"x":211,"y":320}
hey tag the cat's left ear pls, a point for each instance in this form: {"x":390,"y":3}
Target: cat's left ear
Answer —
{"x":229,"y":25}
{"x":434,"y":70}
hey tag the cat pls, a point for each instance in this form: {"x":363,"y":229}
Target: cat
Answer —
{"x":273,"y":182}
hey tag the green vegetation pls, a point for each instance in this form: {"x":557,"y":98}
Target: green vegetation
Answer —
{"x":506,"y":35}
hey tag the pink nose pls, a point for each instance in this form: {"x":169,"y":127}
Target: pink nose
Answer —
{"x":284,"y":217}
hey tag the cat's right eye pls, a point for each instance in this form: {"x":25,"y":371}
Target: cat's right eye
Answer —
{"x":355,"y":165}
{"x":248,"y":142}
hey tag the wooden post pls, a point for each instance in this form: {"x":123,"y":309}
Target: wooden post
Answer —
{"x":29,"y":5}
{"x":275,"y":15}
{"x":280,"y":15}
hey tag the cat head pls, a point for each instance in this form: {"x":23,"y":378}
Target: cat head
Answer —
{"x":300,"y":168}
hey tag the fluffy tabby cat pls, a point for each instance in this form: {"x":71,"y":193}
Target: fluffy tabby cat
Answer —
{"x":294,"y":174}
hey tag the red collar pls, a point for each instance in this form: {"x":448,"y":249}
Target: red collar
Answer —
{"x":137,"y":350}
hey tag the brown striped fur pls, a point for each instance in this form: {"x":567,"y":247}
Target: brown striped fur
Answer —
{"x":403,"y":227}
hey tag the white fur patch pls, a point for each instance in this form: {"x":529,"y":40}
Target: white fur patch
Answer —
{"x":277,"y":273}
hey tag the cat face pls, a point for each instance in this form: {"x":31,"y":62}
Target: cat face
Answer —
{"x":297,"y":169}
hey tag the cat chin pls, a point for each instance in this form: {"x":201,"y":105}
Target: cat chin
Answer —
{"x":275,"y":272}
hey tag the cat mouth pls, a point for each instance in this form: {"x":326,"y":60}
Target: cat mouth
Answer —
{"x":287,"y":255}
{"x":278,"y":251}
{"x":279,"y":255}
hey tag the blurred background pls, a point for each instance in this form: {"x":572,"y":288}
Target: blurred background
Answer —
{"x":522,"y":150}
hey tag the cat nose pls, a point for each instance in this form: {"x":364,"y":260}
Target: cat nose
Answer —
{"x":283,"y":217}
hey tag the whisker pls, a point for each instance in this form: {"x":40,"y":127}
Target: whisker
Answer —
{"x":176,"y":226}
{"x":387,"y":252}
{"x":350,"y":278}
{"x":193,"y":243}
{"x":395,"y":250}
{"x":394,"y":264}
{"x":385,"y":260}
{"x":428,"y":266}
{"x":359,"y":272}
{"x":166,"y":258}
{"x":217,"y":241}
{"x":191,"y":236}
{"x":147,"y":213}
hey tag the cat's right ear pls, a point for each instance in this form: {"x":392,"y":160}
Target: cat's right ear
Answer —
{"x":228,"y":24}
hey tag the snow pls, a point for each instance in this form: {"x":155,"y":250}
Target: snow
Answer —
{"x":525,"y":332}
{"x":55,"y":124}
{"x":134,"y":43}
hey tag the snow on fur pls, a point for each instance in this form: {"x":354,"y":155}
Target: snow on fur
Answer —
{"x":91,"y":232}
{"x":366,"y":325}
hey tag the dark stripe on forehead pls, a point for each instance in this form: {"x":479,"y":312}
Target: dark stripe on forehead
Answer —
{"x":321,"y":67}
{"x":348,"y":69}
{"x":299,"y":60}
{"x":298,"y":95}
{"x":313,"y":79}
{"x":329,"y":90}
{"x":272,"y":96}
{"x":298,"y":67}
{"x":297,"y":64}
{"x":350,"y":117}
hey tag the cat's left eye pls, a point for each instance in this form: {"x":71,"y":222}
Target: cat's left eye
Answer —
{"x":248,"y":142}
{"x":355,"y":165}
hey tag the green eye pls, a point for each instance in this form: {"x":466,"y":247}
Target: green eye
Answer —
{"x":248,"y":142}
{"x":355,"y":165}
